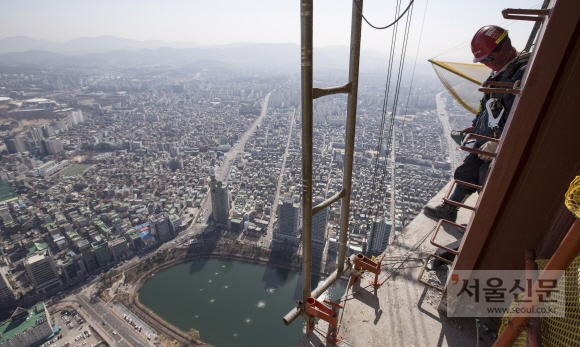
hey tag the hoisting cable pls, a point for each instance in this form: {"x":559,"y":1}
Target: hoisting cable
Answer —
{"x":402,"y":197}
{"x":390,"y":134}
{"x":382,"y":126}
{"x":386,"y":26}
{"x":414,"y":66}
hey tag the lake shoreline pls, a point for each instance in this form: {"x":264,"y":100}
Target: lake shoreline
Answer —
{"x":161,"y":324}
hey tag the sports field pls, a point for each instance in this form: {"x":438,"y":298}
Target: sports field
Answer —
{"x":74,"y":170}
{"x":6,"y":192}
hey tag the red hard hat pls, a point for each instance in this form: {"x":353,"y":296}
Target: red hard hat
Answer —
{"x":486,"y":40}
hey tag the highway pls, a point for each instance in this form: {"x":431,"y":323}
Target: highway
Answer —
{"x":125,"y":335}
{"x":270,"y":233}
{"x":222,"y":173}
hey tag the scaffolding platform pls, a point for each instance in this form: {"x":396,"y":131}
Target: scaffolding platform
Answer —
{"x":403,"y":311}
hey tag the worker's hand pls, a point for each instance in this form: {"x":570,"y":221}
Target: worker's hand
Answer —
{"x":490,"y":147}
{"x":468,"y":130}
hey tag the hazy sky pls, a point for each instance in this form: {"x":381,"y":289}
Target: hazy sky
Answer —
{"x":448,"y":23}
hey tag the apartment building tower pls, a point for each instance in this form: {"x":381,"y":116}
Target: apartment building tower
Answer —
{"x":7,"y":296}
{"x":379,"y":234}
{"x":161,"y":227}
{"x":319,"y":233}
{"x":87,"y":255}
{"x":288,"y":222}
{"x":220,"y":201}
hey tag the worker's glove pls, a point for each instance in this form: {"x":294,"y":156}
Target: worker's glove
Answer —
{"x":490,"y":147}
{"x":457,"y":136}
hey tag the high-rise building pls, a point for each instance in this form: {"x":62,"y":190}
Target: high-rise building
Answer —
{"x":15,"y":145}
{"x":42,"y":271}
{"x":53,"y":145}
{"x":136,"y":145}
{"x":101,"y":252}
{"x":7,"y":296}
{"x":220,"y":201}
{"x":35,"y":134}
{"x":71,"y":267}
{"x":5,"y":213}
{"x":319,"y":226}
{"x":175,"y":223}
{"x":161,"y":227}
{"x":118,"y":248}
{"x":288,"y":222}
{"x":175,"y":164}
{"x":87,"y":255}
{"x":379,"y":234}
{"x":319,"y":233}
{"x":76,"y":117}
{"x":63,"y":123}
{"x":289,"y":217}
{"x":47,"y":130}
{"x":97,"y":110}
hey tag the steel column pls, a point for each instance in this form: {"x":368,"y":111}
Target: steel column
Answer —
{"x":306,"y":72}
{"x":355,"y":38}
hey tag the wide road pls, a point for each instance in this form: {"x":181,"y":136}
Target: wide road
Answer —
{"x":270,"y":233}
{"x":230,"y":155}
{"x":223,"y":171}
{"x":125,"y":335}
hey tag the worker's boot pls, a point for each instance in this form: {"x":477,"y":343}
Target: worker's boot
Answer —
{"x":442,"y":211}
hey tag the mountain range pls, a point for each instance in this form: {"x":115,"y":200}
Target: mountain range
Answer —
{"x":84,"y":45}
{"x":19,"y":50}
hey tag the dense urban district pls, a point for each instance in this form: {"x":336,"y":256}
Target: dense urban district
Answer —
{"x":104,"y":168}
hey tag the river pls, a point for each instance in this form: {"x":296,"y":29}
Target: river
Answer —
{"x":230,"y":303}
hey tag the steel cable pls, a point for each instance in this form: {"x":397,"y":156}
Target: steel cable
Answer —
{"x":386,"y":26}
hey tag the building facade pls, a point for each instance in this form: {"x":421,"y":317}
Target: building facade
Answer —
{"x":288,"y":222}
{"x":118,"y":248}
{"x":87,"y":255}
{"x":101,"y":252}
{"x":379,"y":234}
{"x":7,"y":296}
{"x":220,"y":201}
{"x":15,"y":145}
{"x":319,"y":233}
{"x":42,"y":271}
{"x":161,"y":227}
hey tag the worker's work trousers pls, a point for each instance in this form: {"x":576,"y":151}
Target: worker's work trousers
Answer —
{"x":473,"y":170}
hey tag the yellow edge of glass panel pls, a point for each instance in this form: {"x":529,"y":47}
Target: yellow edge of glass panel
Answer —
{"x":455,"y":71}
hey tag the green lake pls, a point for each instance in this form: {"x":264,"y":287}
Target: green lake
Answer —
{"x":230,"y":303}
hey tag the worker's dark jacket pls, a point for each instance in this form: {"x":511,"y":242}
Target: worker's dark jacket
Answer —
{"x":473,"y":169}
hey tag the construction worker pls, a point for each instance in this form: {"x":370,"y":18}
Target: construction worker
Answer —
{"x":492,"y":47}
